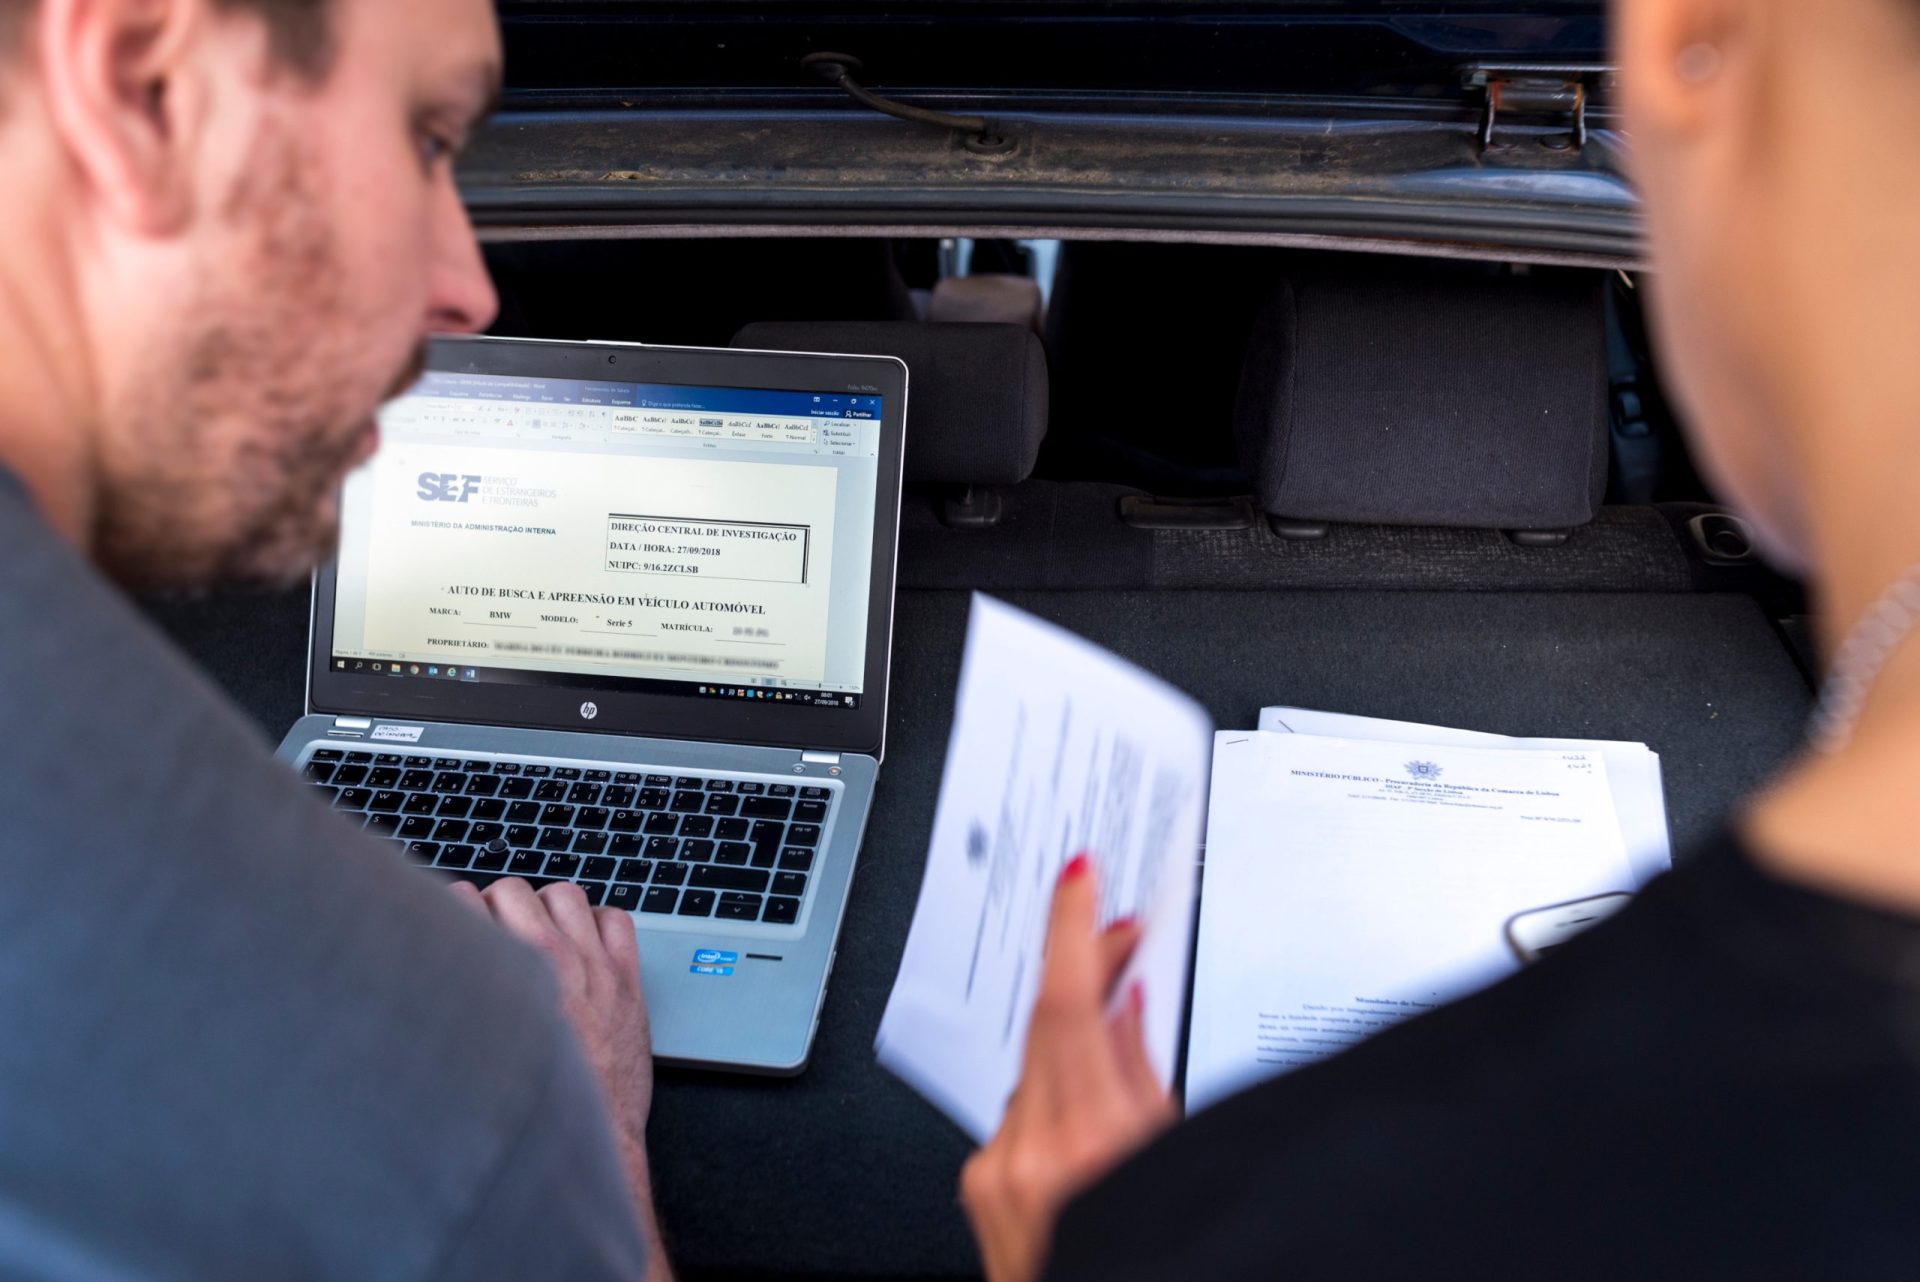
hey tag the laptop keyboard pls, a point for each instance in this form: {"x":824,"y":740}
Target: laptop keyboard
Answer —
{"x":685,"y":845}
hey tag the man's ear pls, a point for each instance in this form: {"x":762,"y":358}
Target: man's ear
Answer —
{"x":126,"y":102}
{"x":1683,"y":56}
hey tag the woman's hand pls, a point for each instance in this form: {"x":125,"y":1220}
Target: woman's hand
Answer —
{"x":1087,"y":1096}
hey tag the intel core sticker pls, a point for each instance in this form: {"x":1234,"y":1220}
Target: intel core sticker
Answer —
{"x":714,"y":957}
{"x":710,"y":970}
{"x":398,"y":734}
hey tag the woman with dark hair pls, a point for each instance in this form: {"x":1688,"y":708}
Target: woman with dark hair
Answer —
{"x":1723,"y":1080}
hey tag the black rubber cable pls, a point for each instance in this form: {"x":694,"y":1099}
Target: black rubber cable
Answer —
{"x":836,"y":68}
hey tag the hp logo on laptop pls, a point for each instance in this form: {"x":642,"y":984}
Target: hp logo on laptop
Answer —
{"x":589,"y":710}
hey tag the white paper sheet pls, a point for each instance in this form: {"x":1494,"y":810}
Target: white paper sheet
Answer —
{"x":1058,"y":748}
{"x":1639,"y":800}
{"x":1350,"y":883}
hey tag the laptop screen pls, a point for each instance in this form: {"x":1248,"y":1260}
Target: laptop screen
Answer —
{"x":710,"y":542}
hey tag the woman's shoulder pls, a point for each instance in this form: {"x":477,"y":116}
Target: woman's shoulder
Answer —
{"x":1692,"y":1037}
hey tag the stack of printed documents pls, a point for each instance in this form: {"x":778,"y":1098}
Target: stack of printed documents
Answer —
{"x":1359,"y":871}
{"x":1356,"y":871}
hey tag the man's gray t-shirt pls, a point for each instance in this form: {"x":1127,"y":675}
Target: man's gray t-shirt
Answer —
{"x":239,"y":1040}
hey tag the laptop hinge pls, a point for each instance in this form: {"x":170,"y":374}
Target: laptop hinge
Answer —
{"x":820,"y":758}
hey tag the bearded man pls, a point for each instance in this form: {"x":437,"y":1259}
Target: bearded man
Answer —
{"x":237,"y":1039}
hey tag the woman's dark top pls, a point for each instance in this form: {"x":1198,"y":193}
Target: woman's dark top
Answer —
{"x":1721,"y":1081}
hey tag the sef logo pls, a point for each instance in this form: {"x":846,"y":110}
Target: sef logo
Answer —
{"x":447,"y":487}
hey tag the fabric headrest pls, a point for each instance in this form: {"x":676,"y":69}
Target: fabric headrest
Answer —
{"x":1429,"y":397}
{"x":976,"y":393}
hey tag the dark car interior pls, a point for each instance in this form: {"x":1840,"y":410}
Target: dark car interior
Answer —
{"x":1409,"y":487}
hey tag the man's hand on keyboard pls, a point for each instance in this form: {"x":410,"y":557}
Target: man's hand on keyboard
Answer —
{"x":597,"y":962}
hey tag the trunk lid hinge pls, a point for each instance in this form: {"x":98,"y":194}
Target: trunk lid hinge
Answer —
{"x":1536,"y":93}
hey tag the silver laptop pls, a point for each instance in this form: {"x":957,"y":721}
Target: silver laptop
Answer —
{"x":621,"y":616}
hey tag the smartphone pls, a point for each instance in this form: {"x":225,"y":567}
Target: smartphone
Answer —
{"x":1539,"y":931}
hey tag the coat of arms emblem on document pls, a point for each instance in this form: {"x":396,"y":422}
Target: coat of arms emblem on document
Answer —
{"x":1425,"y":771}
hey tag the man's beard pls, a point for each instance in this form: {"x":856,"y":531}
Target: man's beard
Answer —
{"x":226,"y":473}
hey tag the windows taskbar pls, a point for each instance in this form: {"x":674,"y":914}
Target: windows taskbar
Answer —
{"x":446,"y":673}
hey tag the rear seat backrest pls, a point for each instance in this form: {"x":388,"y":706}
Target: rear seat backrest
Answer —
{"x":976,"y":393}
{"x":1428,"y":397}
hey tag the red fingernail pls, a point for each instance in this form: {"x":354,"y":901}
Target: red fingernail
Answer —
{"x":1124,"y":923}
{"x":1137,"y":996}
{"x":1077,"y":866}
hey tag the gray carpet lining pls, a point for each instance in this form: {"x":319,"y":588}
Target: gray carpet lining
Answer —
{"x":1625,"y":549}
{"x":1069,"y":535}
{"x":843,"y":1171}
